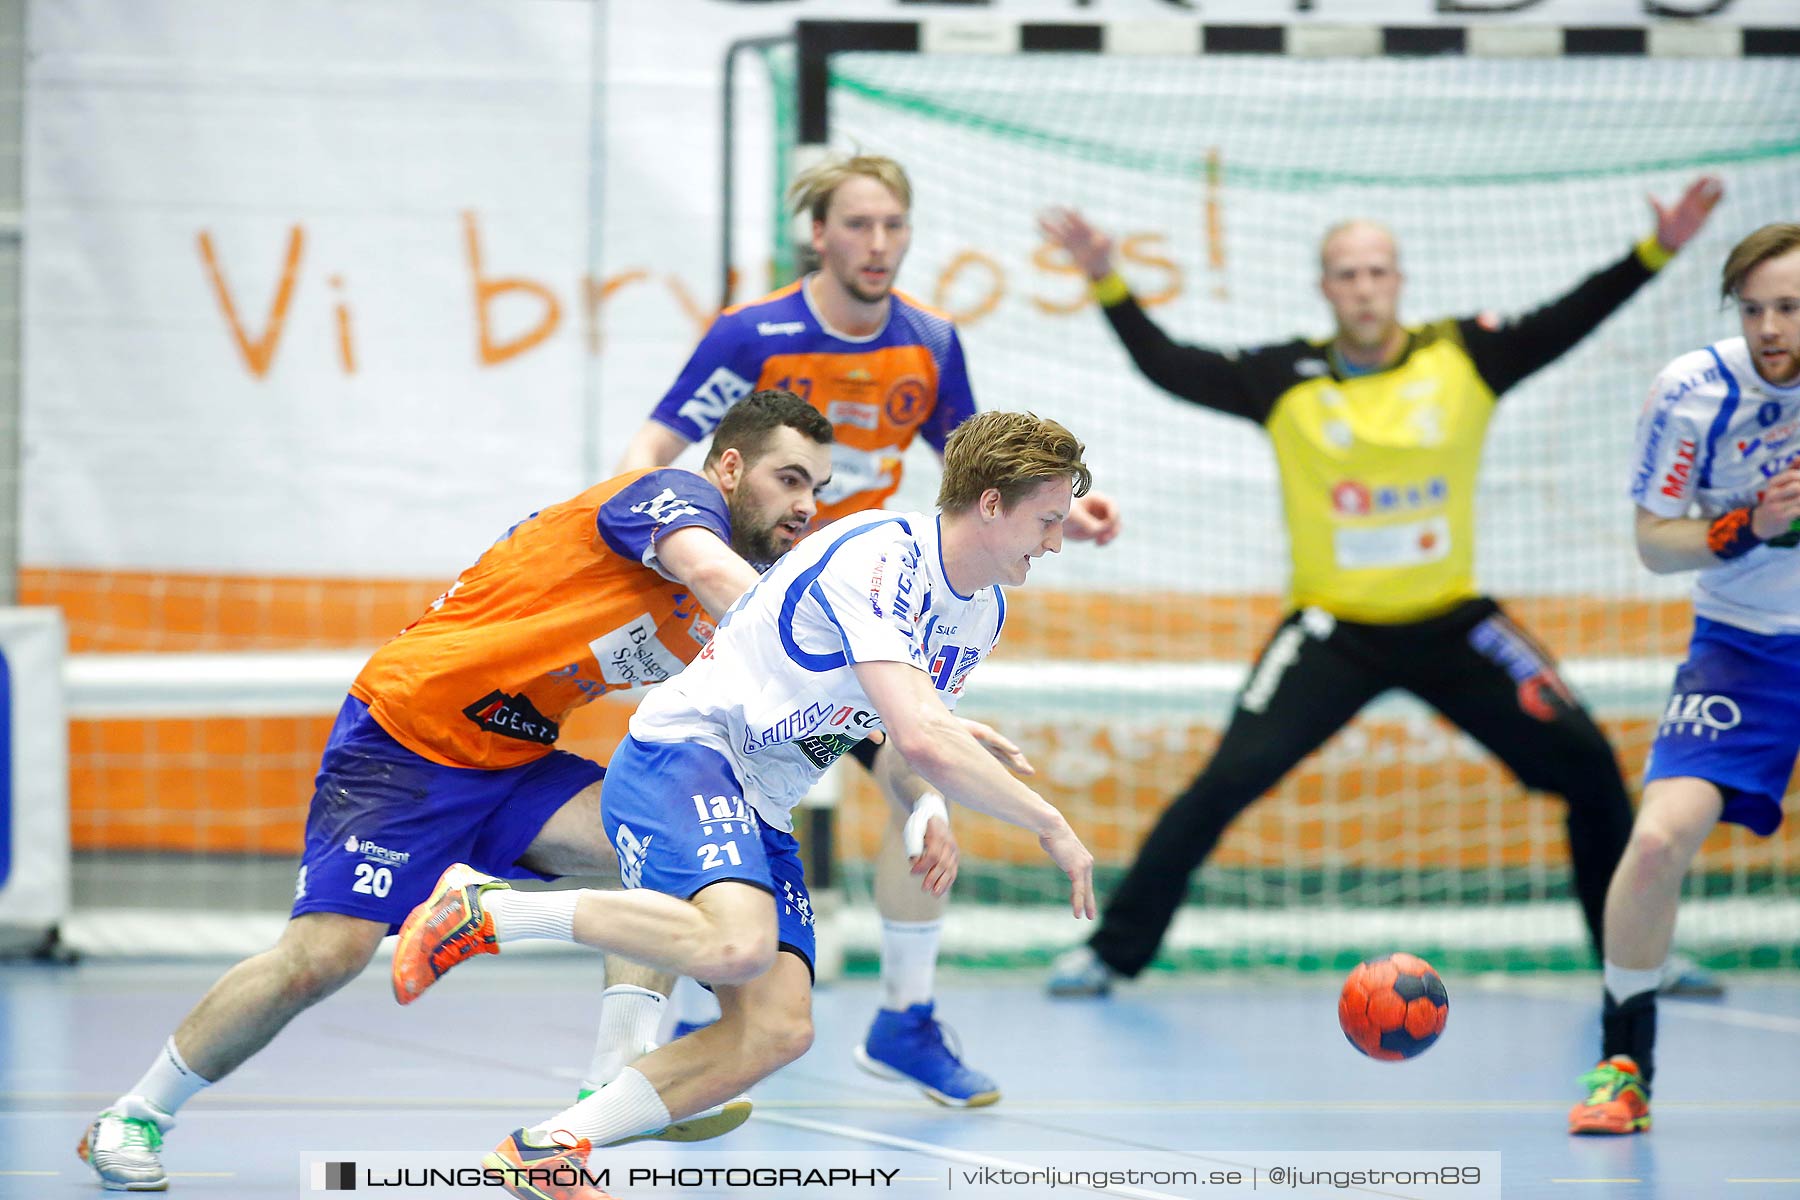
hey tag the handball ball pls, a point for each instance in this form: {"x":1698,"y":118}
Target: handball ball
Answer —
{"x":1393,"y":1007}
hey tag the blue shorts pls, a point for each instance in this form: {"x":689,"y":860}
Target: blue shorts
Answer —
{"x":676,"y":815}
{"x":1733,"y":719}
{"x":385,"y":822}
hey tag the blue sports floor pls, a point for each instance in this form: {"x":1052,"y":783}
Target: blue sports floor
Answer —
{"x":1191,"y":1071}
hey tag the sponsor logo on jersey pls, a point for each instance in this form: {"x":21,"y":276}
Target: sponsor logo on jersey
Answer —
{"x":632,"y":655}
{"x":1775,"y":466}
{"x":722,"y":389}
{"x":1772,"y":439}
{"x":1653,"y":439}
{"x":701,"y":630}
{"x":664,"y":507}
{"x":633,"y":850}
{"x":906,"y":401}
{"x":1675,"y":482}
{"x":794,"y":725}
{"x":853,"y":413}
{"x":780,"y":328}
{"x":373,"y":852}
{"x":1701,"y":715}
{"x":513,"y":717}
{"x":823,"y":749}
{"x":1353,"y":498}
{"x":795,"y":901}
{"x":1710,"y":375}
{"x":1541,"y":691}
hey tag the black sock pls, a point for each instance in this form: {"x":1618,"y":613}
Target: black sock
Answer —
{"x":1630,"y":1028}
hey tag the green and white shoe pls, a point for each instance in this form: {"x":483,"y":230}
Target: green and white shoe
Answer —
{"x":123,"y":1148}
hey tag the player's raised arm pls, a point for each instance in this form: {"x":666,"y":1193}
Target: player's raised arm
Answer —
{"x":937,"y":746}
{"x":1194,"y":373}
{"x":1506,"y":352}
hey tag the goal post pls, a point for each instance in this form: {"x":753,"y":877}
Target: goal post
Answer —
{"x":1510,"y":161}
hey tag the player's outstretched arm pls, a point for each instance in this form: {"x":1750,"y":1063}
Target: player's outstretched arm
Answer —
{"x":1667,"y":545}
{"x":1505,"y":353}
{"x":708,"y":567}
{"x":653,"y":445}
{"x":937,"y":746}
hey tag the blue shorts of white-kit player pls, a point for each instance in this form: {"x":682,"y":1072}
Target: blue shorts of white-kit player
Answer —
{"x":385,"y":822}
{"x":1733,"y":719}
{"x":676,"y":814}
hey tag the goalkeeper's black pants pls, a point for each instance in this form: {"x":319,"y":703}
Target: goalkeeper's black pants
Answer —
{"x":1473,"y":664}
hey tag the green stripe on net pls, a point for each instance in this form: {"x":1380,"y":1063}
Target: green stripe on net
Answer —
{"x":1246,"y":174}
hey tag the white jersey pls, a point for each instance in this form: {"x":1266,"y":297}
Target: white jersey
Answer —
{"x":1711,"y":437}
{"x":774,"y":691}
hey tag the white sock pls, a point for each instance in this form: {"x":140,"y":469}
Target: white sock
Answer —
{"x":909,"y":952}
{"x":1622,"y":983}
{"x":629,"y":1017}
{"x":623,"y":1107}
{"x":165,"y":1087}
{"x":519,"y":915}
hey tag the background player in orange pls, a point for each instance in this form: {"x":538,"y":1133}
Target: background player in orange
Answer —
{"x":1377,"y":432}
{"x":444,"y":750}
{"x":884,"y":369}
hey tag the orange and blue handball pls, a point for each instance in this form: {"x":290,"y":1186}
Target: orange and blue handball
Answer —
{"x":1393,"y":1007}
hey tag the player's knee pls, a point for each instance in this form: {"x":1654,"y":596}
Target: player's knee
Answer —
{"x":782,"y":1037}
{"x":776,"y":1037}
{"x":734,"y":956}
{"x":1657,"y":852}
{"x":322,"y":958}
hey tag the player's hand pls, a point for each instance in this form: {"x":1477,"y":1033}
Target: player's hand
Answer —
{"x":937,"y":859}
{"x":1091,"y":249}
{"x":1067,"y":852}
{"x":1775,"y":514}
{"x":1000,"y":746}
{"x":1093,"y":518}
{"x":1674,"y":226}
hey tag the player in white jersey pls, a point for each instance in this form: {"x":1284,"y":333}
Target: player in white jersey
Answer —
{"x":873,"y":623}
{"x":1717,"y":488}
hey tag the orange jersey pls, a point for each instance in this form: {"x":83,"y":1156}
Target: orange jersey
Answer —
{"x":568,"y":605}
{"x":907,"y":380}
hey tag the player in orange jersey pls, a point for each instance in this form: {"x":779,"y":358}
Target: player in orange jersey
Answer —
{"x":444,"y":750}
{"x":884,"y":369}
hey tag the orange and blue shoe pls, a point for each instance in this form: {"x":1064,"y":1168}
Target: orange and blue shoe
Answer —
{"x":448,"y":928}
{"x":553,"y":1170}
{"x":1618,"y":1101}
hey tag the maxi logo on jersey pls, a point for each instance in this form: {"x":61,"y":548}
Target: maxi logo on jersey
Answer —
{"x":1681,"y":470}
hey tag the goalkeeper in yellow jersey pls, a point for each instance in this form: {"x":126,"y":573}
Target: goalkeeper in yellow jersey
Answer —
{"x":1378,"y":433}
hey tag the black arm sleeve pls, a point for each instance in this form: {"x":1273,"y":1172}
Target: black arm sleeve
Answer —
{"x":1194,"y":373}
{"x":1506,"y":355}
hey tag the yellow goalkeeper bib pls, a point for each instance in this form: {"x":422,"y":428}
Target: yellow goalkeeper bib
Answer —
{"x":1378,"y":481}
